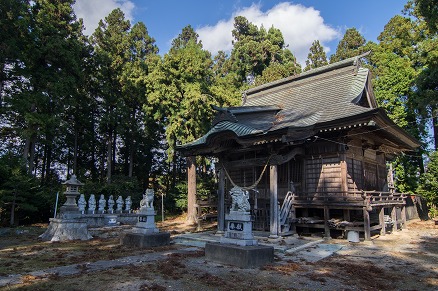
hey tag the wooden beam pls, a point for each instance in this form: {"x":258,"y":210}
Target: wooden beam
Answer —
{"x":366,"y":222}
{"x":326,"y":219}
{"x":191,"y":190}
{"x":403,"y":217}
{"x":344,"y":179}
{"x":273,"y":189}
{"x":273,"y":160}
{"x":382,"y":221}
{"x":221,"y":201}
{"x":394,"y":218}
{"x":346,"y":214}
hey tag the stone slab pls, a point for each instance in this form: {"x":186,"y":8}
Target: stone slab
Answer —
{"x":141,"y":240}
{"x":247,"y":257}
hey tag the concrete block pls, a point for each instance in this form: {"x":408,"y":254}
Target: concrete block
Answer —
{"x":246,"y":257}
{"x":141,"y":240}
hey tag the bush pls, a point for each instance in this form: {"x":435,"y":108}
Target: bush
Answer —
{"x":428,"y":187}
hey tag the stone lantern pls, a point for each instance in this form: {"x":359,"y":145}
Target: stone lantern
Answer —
{"x":68,"y":225}
{"x":70,"y":208}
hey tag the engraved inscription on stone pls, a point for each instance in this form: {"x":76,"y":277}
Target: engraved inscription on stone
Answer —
{"x":142,"y":219}
{"x":238,"y":226}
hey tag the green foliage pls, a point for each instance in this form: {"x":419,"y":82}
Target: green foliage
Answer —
{"x":429,"y":10}
{"x":428,"y":186}
{"x":181,"y":98}
{"x":256,"y":50}
{"x":351,"y":45}
{"x":22,"y":199}
{"x":111,"y":110}
{"x":395,"y":77}
{"x":316,"y":57}
{"x":120,"y":186}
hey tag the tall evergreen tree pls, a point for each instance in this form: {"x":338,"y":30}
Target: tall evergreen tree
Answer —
{"x":351,"y":45}
{"x":394,"y":63}
{"x":427,"y":81}
{"x":50,"y":69}
{"x":111,"y":44}
{"x":256,"y":50}
{"x":316,"y":57}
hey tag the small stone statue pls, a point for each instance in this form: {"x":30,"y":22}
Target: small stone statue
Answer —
{"x":148,"y":199}
{"x":82,"y":203}
{"x":119,"y":203}
{"x":111,"y":204}
{"x":102,"y":203}
{"x":128,"y":204}
{"x":240,"y":200}
{"x":92,"y":204}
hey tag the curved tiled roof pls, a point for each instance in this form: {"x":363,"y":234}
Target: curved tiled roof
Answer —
{"x":321,"y":96}
{"x":238,"y":129}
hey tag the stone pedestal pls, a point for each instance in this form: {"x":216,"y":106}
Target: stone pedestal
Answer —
{"x":146,"y":221}
{"x":238,"y":229}
{"x":238,"y":246}
{"x":142,"y":240}
{"x":240,"y":256}
{"x":66,"y":229}
{"x":145,"y":234}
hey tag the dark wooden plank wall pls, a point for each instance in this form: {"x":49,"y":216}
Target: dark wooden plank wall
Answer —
{"x":323,"y":174}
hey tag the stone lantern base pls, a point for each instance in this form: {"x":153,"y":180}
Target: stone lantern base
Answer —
{"x":66,"y":229}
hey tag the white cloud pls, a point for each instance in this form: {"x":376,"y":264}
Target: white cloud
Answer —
{"x":300,"y":26}
{"x":92,"y":11}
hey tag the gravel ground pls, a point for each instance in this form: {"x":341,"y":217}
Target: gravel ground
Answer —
{"x":403,"y":260}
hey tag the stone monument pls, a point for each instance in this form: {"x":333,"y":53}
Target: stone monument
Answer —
{"x":238,"y":246}
{"x":68,"y":224}
{"x":119,"y":203}
{"x":82,"y":203}
{"x":128,"y":203}
{"x":102,"y":204}
{"x":145,"y":233}
{"x":111,"y":204}
{"x":92,"y":204}
{"x":239,"y":222}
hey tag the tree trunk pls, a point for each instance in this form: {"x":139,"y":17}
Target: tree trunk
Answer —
{"x":174,"y":166}
{"x":43,"y":166}
{"x":48,"y":162}
{"x":109,"y":157}
{"x":131,"y":160}
{"x":75,"y":153}
{"x":114,"y":150}
{"x":12,"y":222}
{"x":191,"y":189}
{"x":435,"y":126}
{"x":32,"y":155}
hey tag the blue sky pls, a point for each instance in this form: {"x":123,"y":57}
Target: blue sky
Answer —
{"x":301,"y":22}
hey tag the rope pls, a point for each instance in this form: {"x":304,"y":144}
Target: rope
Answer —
{"x":254,"y":184}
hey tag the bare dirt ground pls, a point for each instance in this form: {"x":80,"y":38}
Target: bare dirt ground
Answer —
{"x":403,"y":260}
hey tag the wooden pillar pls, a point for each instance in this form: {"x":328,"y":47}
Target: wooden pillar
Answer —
{"x":382,"y":221}
{"x":344,"y":180}
{"x":394,"y":218}
{"x":326,"y":219}
{"x":366,"y":223}
{"x":191,"y":190}
{"x":346,"y":214}
{"x":403,"y":217}
{"x":221,"y":201}
{"x":293,"y":215}
{"x":273,"y":217}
